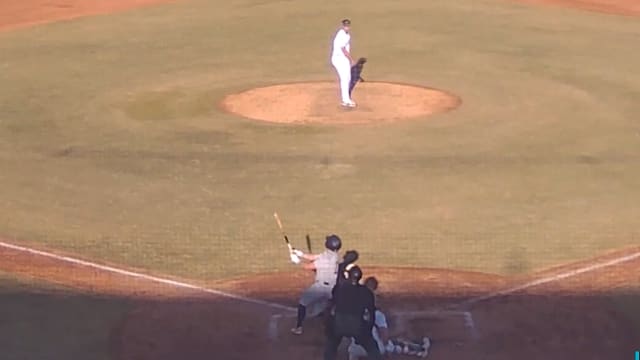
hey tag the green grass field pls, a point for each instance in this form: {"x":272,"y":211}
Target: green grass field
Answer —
{"x":113,"y":147}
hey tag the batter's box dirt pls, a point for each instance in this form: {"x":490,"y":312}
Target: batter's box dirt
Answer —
{"x":442,"y":328}
{"x":452,"y":333}
{"x":448,"y":331}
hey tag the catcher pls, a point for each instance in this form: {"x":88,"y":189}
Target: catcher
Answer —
{"x":381,"y":336}
{"x":356,"y":74}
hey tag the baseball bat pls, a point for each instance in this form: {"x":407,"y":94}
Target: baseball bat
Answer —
{"x":284,"y":235}
{"x":309,"y":244}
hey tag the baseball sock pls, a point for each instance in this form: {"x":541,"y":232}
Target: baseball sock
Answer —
{"x":302,"y":312}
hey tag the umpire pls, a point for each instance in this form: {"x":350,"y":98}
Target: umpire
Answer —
{"x":352,"y":316}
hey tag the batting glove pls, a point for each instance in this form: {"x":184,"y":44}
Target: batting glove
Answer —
{"x":295,"y":259}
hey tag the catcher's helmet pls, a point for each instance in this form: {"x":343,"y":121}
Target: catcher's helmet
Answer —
{"x":355,"y":274}
{"x":333,"y":242}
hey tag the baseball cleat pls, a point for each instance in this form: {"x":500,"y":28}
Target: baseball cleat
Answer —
{"x":296,"y":331}
{"x":349,"y":104}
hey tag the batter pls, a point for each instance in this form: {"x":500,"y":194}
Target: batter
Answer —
{"x":317,"y":295}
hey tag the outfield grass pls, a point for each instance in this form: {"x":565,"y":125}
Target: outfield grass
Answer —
{"x":45,"y":322}
{"x":112,"y":145}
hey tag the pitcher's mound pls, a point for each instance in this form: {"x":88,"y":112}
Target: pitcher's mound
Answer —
{"x":318,"y":103}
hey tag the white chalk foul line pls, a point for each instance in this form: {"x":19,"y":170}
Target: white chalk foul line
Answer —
{"x":151,"y":278}
{"x":552,"y":278}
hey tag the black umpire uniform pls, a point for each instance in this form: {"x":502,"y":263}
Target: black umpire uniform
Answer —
{"x":352,"y":316}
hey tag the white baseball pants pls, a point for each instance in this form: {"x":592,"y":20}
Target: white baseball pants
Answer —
{"x":343,"y":68}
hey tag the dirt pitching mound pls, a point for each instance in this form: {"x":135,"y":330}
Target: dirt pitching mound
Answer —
{"x":318,"y":103}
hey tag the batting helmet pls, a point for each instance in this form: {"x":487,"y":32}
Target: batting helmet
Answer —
{"x":355,"y":274}
{"x":333,"y":242}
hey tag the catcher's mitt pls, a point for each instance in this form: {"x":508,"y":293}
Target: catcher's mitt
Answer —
{"x":350,"y":256}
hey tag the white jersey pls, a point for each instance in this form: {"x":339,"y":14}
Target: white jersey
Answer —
{"x":341,"y":40}
{"x":380,"y":322}
{"x":326,"y":265}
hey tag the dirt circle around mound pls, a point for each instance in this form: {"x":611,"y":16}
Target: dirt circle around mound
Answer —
{"x":318,"y":103}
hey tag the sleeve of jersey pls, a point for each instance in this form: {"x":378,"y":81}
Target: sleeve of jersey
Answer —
{"x":318,"y":261}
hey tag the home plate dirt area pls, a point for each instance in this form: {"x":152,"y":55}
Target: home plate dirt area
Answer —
{"x":559,"y":313}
